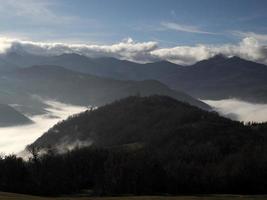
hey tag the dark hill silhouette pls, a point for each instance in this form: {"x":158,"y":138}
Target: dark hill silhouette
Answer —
{"x":158,"y":144}
{"x":154,"y":120}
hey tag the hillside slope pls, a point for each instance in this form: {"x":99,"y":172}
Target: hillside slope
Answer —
{"x":215,"y":78}
{"x":145,"y":120}
{"x":156,"y":139}
{"x":82,"y":89}
{"x":221,"y":78}
{"x":10,"y":117}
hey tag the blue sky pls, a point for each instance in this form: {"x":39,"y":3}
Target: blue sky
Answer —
{"x":169,"y":22}
{"x":180,"y":31}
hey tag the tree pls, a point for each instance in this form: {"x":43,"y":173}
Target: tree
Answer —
{"x":34,"y":151}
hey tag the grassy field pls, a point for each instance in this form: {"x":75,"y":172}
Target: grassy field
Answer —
{"x":12,"y":196}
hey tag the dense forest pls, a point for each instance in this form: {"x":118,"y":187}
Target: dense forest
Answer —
{"x":144,"y":145}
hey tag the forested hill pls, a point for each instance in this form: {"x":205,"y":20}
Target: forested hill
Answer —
{"x":137,"y":120}
{"x":157,"y":139}
{"x":149,"y":120}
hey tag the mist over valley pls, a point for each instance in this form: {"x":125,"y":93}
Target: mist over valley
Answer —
{"x":13,"y":139}
{"x":141,"y":99}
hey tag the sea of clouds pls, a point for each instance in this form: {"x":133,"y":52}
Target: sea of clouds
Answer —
{"x":14,"y":139}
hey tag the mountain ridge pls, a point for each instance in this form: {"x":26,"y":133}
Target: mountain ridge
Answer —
{"x":219,"y":77}
{"x":84,"y":89}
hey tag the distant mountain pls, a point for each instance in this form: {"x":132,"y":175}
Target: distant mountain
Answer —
{"x":221,"y":77}
{"x":215,"y":78}
{"x":83,"y":89}
{"x":105,"y":66}
{"x":11,"y":117}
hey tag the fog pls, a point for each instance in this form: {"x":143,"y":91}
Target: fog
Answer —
{"x":14,"y":139}
{"x":240,"y":110}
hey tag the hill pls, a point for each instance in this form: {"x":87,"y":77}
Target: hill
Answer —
{"x":11,"y":117}
{"x":142,"y":146}
{"x":156,"y":139}
{"x":134,"y":120}
{"x":82,"y":89}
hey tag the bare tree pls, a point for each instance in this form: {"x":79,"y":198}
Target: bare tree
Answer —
{"x":34,"y":151}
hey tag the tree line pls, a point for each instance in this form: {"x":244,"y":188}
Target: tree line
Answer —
{"x":140,"y":172}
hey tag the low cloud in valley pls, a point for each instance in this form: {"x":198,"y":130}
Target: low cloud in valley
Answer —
{"x":240,"y":110}
{"x":14,"y":139}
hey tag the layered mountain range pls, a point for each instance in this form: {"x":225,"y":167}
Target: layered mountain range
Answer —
{"x":27,"y":85}
{"x":27,"y":79}
{"x":162,"y":120}
{"x":216,"y":78}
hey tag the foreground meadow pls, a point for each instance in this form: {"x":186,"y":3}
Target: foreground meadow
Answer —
{"x":12,"y":196}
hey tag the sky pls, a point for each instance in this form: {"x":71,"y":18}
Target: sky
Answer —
{"x":181,"y":31}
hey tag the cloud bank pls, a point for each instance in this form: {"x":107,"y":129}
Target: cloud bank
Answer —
{"x":249,"y":48}
{"x":240,"y":110}
{"x":14,"y":139}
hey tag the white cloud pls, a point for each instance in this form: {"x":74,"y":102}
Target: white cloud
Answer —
{"x":184,"y":54}
{"x":240,"y":110}
{"x":14,"y":139}
{"x":257,"y":36}
{"x":184,"y":28}
{"x":126,"y":49}
{"x":249,"y":48}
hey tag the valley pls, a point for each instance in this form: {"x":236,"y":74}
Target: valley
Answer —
{"x":133,"y":100}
